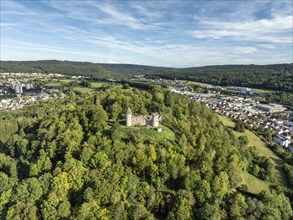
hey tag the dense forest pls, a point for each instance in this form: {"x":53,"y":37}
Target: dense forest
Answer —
{"x":273,"y":77}
{"x":56,"y":66}
{"x":130,"y":69}
{"x":75,"y":158}
{"x":70,"y":68}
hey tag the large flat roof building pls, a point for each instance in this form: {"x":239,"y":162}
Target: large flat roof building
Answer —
{"x":271,"y":108}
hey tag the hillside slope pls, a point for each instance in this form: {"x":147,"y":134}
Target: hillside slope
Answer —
{"x":56,"y":66}
{"x":272,"y":77}
{"x":74,"y":158}
{"x":131,"y":69}
{"x":95,"y":70}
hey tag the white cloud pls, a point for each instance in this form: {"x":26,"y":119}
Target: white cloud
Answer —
{"x":7,"y":25}
{"x":118,"y":62}
{"x":45,"y":48}
{"x":146,"y":12}
{"x":152,"y":32}
{"x":12,"y":7}
{"x":173,"y":55}
{"x":244,"y":50}
{"x":118,"y":17}
{"x":267,"y":46}
{"x":87,"y":10}
{"x":276,"y":30}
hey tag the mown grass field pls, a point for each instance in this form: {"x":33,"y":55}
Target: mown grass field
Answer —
{"x":264,"y":91}
{"x":254,"y":184}
{"x":56,"y":82}
{"x":54,"y":85}
{"x":64,"y":83}
{"x":82,"y":89}
{"x":97,"y":84}
{"x":148,"y":131}
{"x":165,"y":134}
{"x":204,"y":85}
{"x":194,"y":83}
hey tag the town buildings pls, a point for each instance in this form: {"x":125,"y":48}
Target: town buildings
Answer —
{"x":282,"y":140}
{"x":272,"y":117}
{"x":272,"y":108}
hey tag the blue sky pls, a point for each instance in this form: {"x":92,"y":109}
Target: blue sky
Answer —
{"x":160,"y":33}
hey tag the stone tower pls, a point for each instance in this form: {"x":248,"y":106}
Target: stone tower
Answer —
{"x":155,"y":119}
{"x":128,"y":117}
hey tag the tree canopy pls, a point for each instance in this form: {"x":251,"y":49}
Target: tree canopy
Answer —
{"x":75,"y":158}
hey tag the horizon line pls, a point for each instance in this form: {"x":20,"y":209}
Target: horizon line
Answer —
{"x":135,"y":64}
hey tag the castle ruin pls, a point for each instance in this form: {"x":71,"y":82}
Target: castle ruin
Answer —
{"x":142,"y":120}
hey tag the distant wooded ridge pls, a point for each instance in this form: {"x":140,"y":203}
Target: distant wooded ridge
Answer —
{"x":97,"y":70}
{"x":273,"y":76}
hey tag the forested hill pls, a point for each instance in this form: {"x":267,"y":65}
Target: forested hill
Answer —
{"x":274,"y":77}
{"x":74,"y":158}
{"x":95,"y":70}
{"x":131,"y":69}
{"x":56,"y":66}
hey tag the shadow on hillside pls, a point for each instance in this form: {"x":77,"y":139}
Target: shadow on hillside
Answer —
{"x":282,"y":177}
{"x":278,"y":161}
